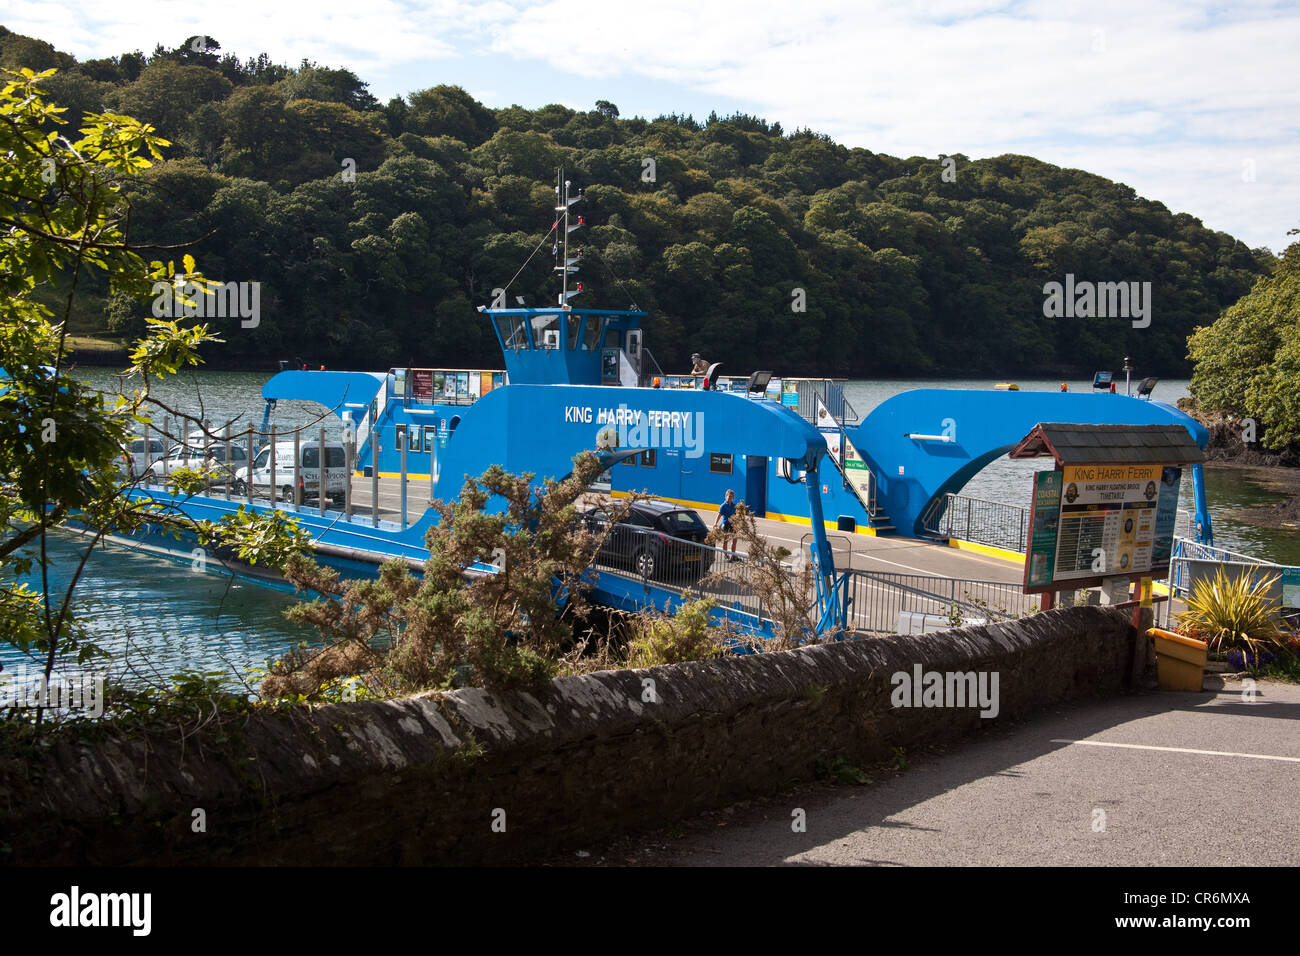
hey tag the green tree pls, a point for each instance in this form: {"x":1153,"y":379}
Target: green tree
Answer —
{"x":500,"y":630}
{"x":449,"y":111}
{"x":1248,"y":361}
{"x":63,"y":212}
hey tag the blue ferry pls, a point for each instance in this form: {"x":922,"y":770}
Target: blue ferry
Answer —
{"x":575,"y":379}
{"x":570,"y":374}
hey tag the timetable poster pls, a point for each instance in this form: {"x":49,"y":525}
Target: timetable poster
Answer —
{"x":1108,"y":520}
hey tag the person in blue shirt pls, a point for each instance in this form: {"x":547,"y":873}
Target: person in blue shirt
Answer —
{"x":726,"y":514}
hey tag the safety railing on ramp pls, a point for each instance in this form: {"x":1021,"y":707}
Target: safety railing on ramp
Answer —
{"x":895,"y":603}
{"x":990,"y":523}
{"x":1191,"y":562}
{"x":831,"y":395}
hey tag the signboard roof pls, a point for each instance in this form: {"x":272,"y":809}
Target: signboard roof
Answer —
{"x":1104,"y":444}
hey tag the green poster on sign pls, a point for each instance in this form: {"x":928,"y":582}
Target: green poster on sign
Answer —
{"x":1040,"y":562}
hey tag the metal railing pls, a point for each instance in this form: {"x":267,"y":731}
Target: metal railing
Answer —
{"x":891,"y":603}
{"x":691,"y":569}
{"x":649,"y":370}
{"x":831,"y":395}
{"x":979,"y":521}
{"x":220,"y":455}
{"x":1191,"y":561}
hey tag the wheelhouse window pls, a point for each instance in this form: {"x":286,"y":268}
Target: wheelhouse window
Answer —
{"x":546,"y":331}
{"x":575,"y":329}
{"x":513,"y":330}
{"x":648,"y":457}
{"x":591,"y":337}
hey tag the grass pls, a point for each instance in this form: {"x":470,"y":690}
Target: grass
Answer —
{"x":89,"y":344}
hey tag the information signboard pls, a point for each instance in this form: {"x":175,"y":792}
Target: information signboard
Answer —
{"x":422,"y":384}
{"x":1098,"y":521}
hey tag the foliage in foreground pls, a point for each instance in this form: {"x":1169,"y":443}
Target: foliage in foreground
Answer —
{"x":686,"y":635}
{"x":63,"y":218}
{"x":781,"y":580}
{"x":513,"y":628}
{"x":1233,"y":613}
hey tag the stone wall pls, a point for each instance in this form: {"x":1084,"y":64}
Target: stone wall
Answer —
{"x":422,"y":780}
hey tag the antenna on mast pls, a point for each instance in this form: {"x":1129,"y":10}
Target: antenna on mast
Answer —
{"x":566,"y":264}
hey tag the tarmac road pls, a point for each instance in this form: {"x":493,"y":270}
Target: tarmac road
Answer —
{"x":1156,"y":779}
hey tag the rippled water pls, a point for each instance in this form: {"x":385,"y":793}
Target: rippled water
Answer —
{"x":153,"y":612}
{"x":157,"y":616}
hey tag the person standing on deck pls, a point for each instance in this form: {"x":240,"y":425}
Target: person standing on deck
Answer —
{"x":698,"y":365}
{"x":726,"y":513}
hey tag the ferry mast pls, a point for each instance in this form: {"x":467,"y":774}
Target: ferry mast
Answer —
{"x":564,"y":264}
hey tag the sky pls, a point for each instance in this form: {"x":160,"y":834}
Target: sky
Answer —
{"x":1194,"y":104}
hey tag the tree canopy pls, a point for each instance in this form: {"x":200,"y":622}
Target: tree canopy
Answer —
{"x":748,"y":244}
{"x":1248,"y":361}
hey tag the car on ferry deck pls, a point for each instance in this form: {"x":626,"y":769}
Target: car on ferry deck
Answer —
{"x":211,"y":461}
{"x":656,"y":539}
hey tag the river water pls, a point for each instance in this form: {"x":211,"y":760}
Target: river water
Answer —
{"x":157,"y":616}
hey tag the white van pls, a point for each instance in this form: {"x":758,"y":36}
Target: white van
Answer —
{"x":309,"y":462}
{"x":139,"y":453}
{"x":211,"y":461}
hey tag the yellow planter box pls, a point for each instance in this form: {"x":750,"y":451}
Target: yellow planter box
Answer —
{"x":1180,"y":660}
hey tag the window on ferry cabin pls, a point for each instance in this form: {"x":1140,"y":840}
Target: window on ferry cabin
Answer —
{"x":546,"y":331}
{"x":591,"y":337}
{"x":719,"y":463}
{"x":513,"y":331}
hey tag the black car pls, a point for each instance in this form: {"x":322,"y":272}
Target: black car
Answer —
{"x":656,"y":539}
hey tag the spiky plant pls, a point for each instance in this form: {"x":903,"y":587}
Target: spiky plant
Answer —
{"x":1232,"y":613}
